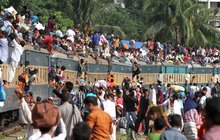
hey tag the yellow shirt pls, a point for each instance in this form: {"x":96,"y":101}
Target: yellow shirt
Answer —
{"x":116,"y":43}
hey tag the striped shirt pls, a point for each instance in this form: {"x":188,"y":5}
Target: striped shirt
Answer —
{"x":191,"y":116}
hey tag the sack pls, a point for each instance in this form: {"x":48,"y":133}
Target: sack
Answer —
{"x":45,"y":114}
{"x":2,"y":92}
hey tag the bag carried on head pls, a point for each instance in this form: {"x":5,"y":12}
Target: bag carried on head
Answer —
{"x":45,"y":114}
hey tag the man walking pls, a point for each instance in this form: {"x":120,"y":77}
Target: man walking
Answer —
{"x":99,"y":121}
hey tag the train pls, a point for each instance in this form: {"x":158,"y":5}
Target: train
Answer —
{"x":42,"y":60}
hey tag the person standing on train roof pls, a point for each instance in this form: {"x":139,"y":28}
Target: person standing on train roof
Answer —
{"x":95,"y":42}
{"x":18,"y":45}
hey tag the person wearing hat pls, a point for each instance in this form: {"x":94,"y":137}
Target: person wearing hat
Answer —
{"x":46,"y":117}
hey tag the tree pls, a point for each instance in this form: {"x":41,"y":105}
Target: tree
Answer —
{"x":88,"y":12}
{"x":3,"y":3}
{"x":180,"y":21}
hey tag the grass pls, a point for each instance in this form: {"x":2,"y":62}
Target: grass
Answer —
{"x":121,"y":136}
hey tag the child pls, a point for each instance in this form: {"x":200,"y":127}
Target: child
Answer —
{"x":174,"y":133}
{"x":157,"y":129}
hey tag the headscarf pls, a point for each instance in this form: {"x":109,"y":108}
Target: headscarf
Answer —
{"x":189,"y":103}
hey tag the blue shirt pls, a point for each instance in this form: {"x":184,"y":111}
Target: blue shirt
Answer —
{"x":96,"y":39}
{"x":172,"y":134}
{"x":34,"y":19}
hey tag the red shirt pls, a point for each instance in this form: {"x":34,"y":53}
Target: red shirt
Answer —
{"x":185,"y":59}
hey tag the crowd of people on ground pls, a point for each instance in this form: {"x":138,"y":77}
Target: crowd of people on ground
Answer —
{"x":97,"y":110}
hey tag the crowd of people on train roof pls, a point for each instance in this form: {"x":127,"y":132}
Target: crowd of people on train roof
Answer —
{"x":96,"y":110}
{"x":96,"y":44}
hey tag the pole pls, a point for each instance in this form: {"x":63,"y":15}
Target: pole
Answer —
{"x":209,"y":3}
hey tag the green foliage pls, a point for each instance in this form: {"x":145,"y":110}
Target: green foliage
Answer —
{"x":180,"y":21}
{"x":3,"y":3}
{"x":61,"y":20}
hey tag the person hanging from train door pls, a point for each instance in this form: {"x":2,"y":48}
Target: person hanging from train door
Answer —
{"x":32,"y":76}
{"x":81,"y":69}
{"x":135,"y":70}
{"x":18,"y":45}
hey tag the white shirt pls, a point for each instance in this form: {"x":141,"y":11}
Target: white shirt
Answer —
{"x":4,"y":50}
{"x":203,"y":101}
{"x":109,"y":107}
{"x":17,"y":51}
{"x":152,"y":96}
{"x":26,"y":112}
{"x":102,"y":40}
{"x":194,"y":89}
{"x":208,"y":93}
{"x":203,"y":52}
{"x":144,"y":51}
{"x":116,"y":54}
{"x":39,"y":26}
{"x":159,"y":77}
{"x":61,"y":136}
{"x":177,"y":108}
{"x":70,"y":33}
{"x":59,"y":33}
